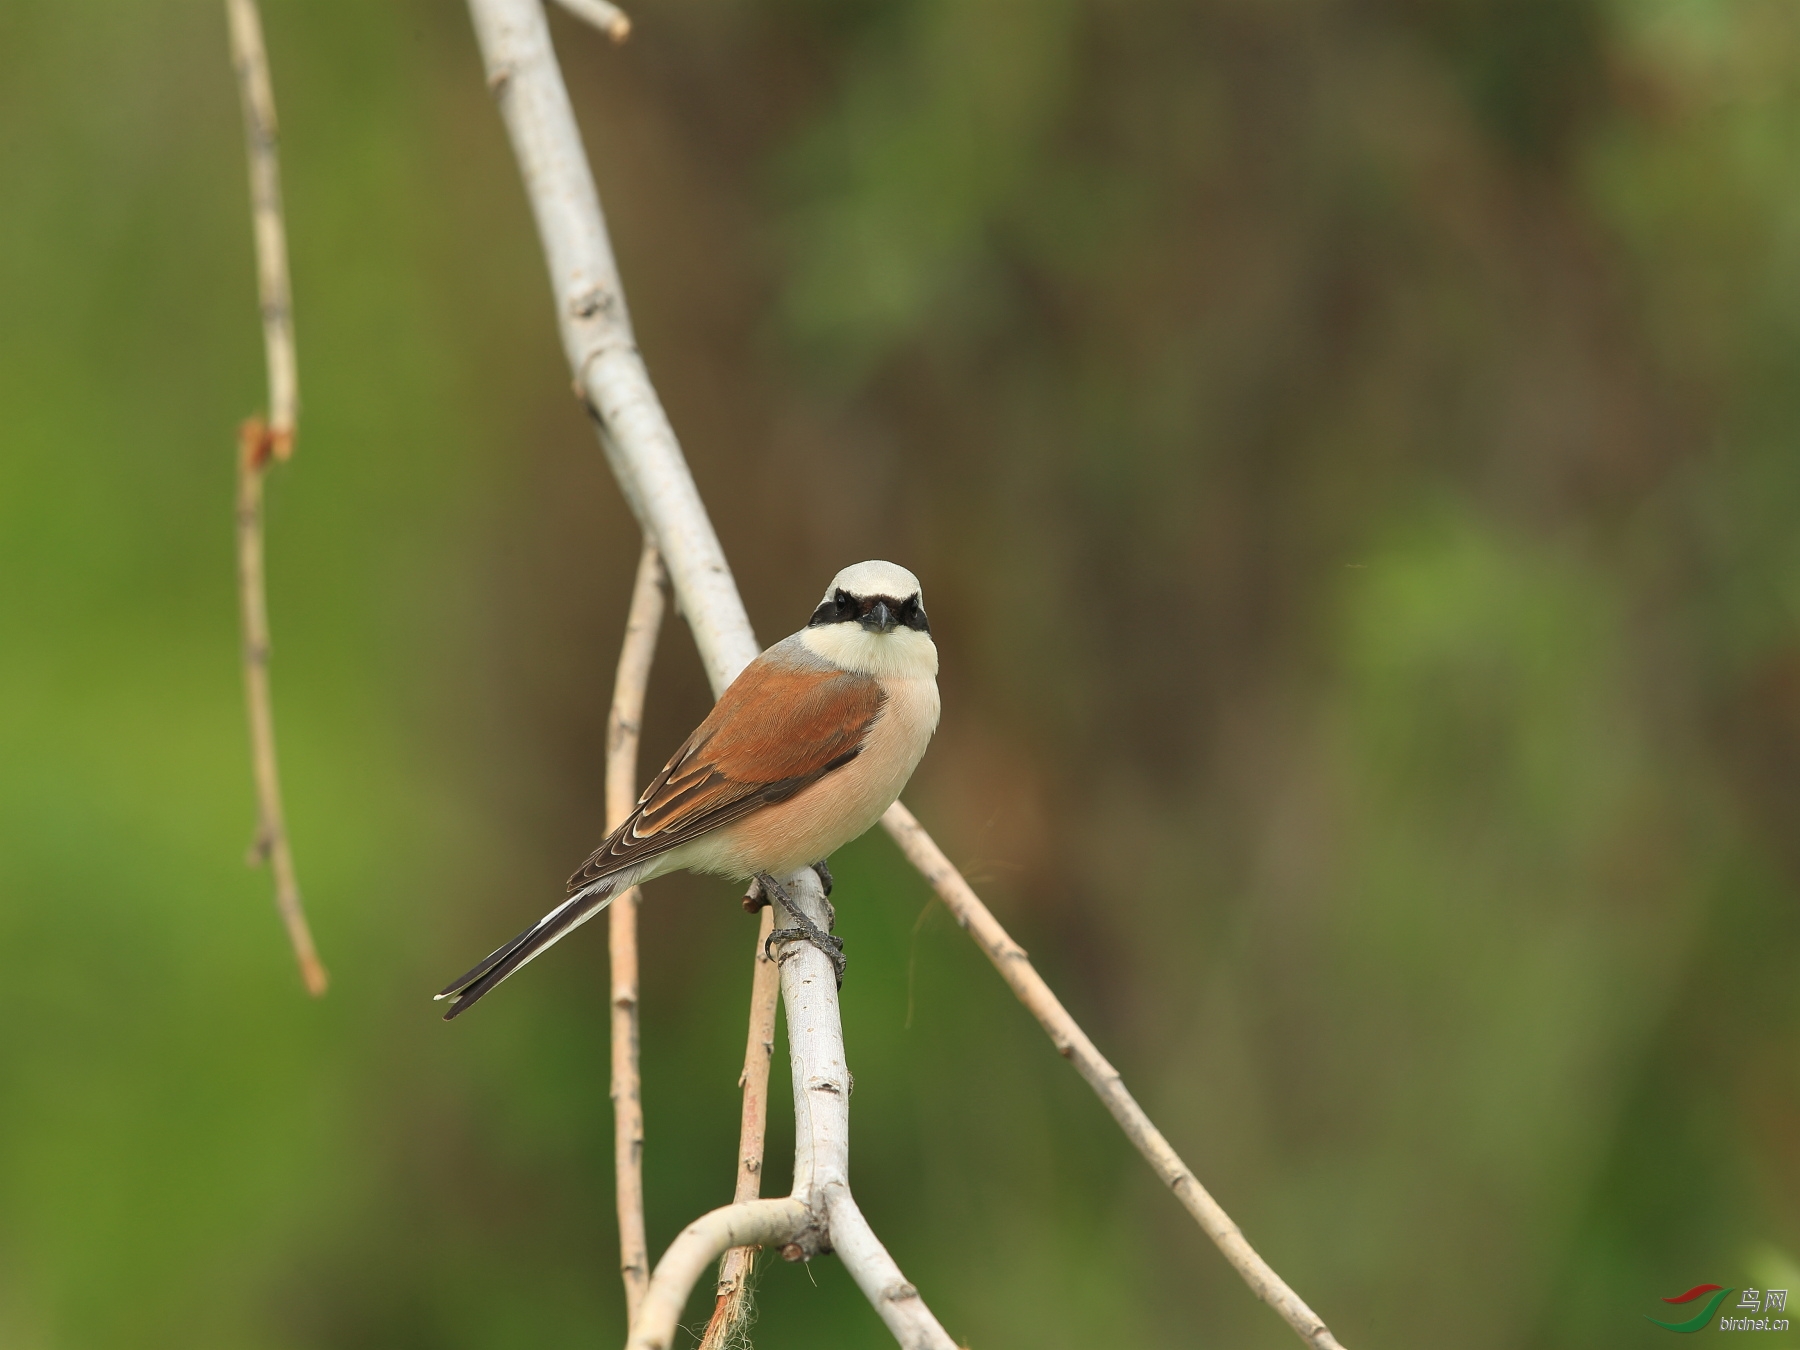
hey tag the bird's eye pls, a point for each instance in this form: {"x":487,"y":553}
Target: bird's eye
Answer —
{"x":912,"y":614}
{"x":835,"y":608}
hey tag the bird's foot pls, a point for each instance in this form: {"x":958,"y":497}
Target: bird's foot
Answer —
{"x":807,"y":930}
{"x":823,"y":872}
{"x":754,"y":899}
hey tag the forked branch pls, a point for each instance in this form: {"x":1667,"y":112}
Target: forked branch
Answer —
{"x":260,"y":443}
{"x":821,"y":1214}
{"x":751,"y":1223}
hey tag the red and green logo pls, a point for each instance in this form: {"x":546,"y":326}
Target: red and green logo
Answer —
{"x":1700,"y":1319}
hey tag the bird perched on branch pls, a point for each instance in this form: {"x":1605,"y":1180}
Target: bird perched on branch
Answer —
{"x":804,"y":751}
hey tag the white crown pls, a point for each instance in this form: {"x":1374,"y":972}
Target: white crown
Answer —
{"x":875,"y":578}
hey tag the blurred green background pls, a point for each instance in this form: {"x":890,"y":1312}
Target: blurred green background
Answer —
{"x":1352,"y":451}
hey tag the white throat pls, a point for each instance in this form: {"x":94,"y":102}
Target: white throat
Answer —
{"x":903,"y":654}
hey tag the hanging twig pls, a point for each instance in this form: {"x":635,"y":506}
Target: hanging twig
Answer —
{"x":259,"y":443}
{"x":250,"y":59}
{"x":623,"y":728}
{"x":731,"y":1308}
{"x":646,"y":460}
{"x":1073,"y":1044}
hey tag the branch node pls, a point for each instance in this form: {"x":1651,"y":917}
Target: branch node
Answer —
{"x":257,"y":444}
{"x":591,"y":300}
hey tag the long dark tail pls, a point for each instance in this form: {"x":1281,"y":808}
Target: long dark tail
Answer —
{"x":552,"y":928}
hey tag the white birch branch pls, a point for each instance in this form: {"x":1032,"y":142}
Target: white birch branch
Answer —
{"x":646,"y":459}
{"x":596,"y":330}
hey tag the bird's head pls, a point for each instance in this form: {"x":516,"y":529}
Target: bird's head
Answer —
{"x":872,"y":620}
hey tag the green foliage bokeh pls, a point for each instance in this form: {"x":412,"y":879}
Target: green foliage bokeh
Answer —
{"x":1351,"y":454}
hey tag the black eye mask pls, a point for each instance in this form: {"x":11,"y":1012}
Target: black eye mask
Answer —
{"x":843,"y":607}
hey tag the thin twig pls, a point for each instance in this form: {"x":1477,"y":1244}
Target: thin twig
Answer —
{"x":1072,"y":1042}
{"x":259,"y":444}
{"x":623,"y":727}
{"x":604,"y":15}
{"x":731,"y":1309}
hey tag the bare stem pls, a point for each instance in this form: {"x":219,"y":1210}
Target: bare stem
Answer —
{"x":623,"y":727}
{"x":259,"y":444}
{"x":1072,"y":1043}
{"x":731,"y":1309}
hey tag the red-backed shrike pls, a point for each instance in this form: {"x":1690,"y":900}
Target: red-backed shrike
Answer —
{"x":805,"y":750}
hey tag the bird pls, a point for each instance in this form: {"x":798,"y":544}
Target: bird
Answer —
{"x":802,"y":753}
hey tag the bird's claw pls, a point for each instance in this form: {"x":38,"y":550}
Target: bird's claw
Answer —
{"x":833,"y":947}
{"x":807,"y":930}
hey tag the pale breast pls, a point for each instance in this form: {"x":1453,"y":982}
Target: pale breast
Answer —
{"x":825,"y":816}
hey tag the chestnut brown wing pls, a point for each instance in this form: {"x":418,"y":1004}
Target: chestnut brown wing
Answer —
{"x":778,"y":728}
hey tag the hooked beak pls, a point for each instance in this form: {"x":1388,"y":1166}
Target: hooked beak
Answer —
{"x":880,"y":619}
